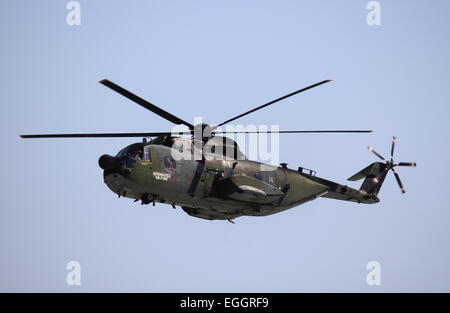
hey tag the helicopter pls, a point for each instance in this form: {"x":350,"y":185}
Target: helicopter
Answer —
{"x":221,"y":183}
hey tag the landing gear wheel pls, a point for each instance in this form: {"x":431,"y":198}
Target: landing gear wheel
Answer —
{"x":146,"y":199}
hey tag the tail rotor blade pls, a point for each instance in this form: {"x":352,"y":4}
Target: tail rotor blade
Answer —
{"x":407,"y":164}
{"x":397,"y":177}
{"x":393,"y":146}
{"x":376,"y":153}
{"x":390,"y":164}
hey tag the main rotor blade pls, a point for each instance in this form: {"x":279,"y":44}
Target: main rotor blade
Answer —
{"x":407,"y":164}
{"x":397,"y":177}
{"x":145,"y":104}
{"x":276,"y":100}
{"x":292,"y":131}
{"x":376,"y":153}
{"x":393,"y":146}
{"x":112,"y":135}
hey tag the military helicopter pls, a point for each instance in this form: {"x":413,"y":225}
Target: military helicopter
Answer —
{"x":221,"y":184}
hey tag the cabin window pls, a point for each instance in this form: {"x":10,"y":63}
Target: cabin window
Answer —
{"x":169,"y":162}
{"x":258,"y":176}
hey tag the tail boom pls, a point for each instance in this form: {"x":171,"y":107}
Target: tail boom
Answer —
{"x":343,"y":192}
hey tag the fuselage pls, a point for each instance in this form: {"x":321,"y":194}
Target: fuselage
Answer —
{"x":213,"y":188}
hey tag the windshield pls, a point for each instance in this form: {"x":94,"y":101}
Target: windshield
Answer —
{"x":130,"y":151}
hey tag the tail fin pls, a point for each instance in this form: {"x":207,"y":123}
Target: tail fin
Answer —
{"x":374,"y":176}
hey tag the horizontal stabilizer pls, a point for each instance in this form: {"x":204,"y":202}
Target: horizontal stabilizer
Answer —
{"x":362,"y":173}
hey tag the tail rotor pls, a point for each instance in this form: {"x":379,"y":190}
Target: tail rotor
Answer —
{"x":390,"y":164}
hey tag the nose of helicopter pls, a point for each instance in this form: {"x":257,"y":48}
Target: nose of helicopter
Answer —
{"x":108,"y":162}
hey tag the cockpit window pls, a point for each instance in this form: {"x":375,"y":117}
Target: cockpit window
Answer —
{"x":132,"y":151}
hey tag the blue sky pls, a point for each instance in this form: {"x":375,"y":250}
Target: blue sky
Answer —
{"x":216,"y":59}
